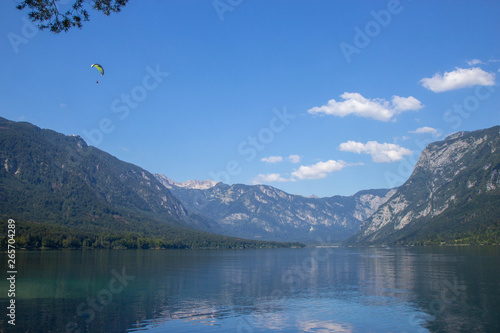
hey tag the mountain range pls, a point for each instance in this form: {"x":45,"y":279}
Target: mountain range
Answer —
{"x":65,"y":193}
{"x":265,"y":212}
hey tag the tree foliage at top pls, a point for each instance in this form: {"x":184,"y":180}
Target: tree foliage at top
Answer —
{"x":50,"y":14}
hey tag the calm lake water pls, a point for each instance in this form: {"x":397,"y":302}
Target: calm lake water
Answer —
{"x":427,"y":289}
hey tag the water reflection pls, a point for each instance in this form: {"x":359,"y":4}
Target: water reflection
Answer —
{"x":307,"y":290}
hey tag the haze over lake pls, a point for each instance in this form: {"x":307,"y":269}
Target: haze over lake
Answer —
{"x":429,"y":289}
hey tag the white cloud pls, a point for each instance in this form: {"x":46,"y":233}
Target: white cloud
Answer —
{"x":272,"y":159}
{"x":474,"y":62}
{"x":356,"y":104}
{"x":294,"y":158}
{"x":426,"y":130}
{"x":315,"y":171}
{"x":459,"y":78}
{"x":277,"y":159}
{"x":269,"y":178}
{"x":318,"y":170}
{"x":406,"y":103}
{"x":380,"y":152}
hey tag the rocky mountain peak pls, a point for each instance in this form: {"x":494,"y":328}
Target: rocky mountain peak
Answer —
{"x":188,"y":184}
{"x":452,"y":190}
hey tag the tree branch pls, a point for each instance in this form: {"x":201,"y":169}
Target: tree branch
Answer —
{"x":47,"y":15}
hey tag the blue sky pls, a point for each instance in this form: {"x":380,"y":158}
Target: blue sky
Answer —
{"x":312,"y":97}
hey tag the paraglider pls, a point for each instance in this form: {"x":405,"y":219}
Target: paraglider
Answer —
{"x":99,"y":68}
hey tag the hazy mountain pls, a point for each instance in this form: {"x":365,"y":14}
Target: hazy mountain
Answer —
{"x":264,"y":212}
{"x":452,"y":196}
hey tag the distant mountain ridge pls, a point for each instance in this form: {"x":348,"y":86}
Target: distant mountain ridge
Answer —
{"x":452,"y":196}
{"x":264,"y":212}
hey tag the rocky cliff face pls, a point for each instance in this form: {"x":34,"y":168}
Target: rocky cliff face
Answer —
{"x":264,"y":212}
{"x":453,"y":191}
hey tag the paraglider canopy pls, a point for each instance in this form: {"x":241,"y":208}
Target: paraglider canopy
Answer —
{"x":99,"y":68}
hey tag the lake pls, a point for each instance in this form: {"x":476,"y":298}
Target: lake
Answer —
{"x":426,"y":289}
